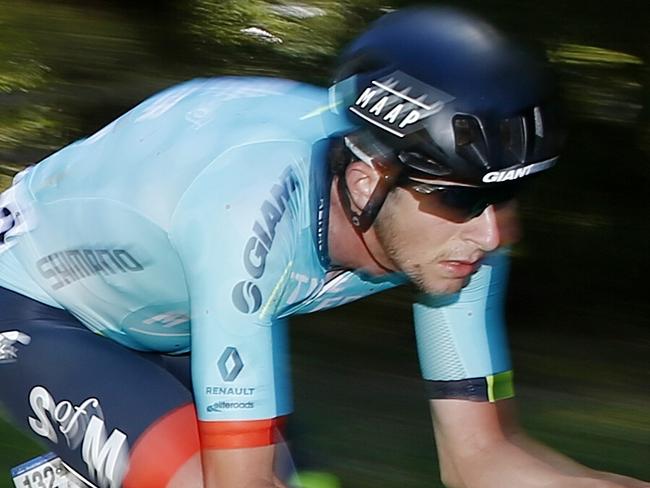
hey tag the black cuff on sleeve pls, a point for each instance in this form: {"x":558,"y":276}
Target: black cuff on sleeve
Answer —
{"x":486,"y":389}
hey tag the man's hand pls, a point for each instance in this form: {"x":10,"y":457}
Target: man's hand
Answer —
{"x":480,"y":445}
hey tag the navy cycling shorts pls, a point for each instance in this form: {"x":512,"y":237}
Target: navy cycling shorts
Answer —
{"x":118,"y":417}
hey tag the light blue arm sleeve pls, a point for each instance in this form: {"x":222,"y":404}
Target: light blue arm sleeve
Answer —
{"x":235,"y":233}
{"x":462,"y":336}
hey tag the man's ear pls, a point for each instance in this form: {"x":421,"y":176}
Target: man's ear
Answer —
{"x":361,"y":180}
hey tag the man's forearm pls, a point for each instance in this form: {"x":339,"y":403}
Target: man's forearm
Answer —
{"x":507,"y":464}
{"x":568,"y":466}
{"x":480,"y":445}
{"x":498,"y":464}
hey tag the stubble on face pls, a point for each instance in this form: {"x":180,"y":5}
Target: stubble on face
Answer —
{"x":418,"y":244}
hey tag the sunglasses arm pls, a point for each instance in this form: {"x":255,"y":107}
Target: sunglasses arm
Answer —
{"x":389,"y":173}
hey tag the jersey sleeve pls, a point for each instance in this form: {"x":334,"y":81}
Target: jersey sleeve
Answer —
{"x":235,"y":233}
{"x":461,"y":338}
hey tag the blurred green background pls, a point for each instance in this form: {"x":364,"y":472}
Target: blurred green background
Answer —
{"x":578,"y":308}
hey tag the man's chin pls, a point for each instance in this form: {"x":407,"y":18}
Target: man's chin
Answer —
{"x":442,"y":286}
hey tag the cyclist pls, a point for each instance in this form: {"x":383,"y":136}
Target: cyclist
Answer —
{"x":206,"y":216}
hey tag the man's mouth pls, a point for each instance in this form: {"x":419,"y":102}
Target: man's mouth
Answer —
{"x":460,"y":268}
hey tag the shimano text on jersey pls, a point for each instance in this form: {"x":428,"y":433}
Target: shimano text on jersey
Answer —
{"x":65,"y":267}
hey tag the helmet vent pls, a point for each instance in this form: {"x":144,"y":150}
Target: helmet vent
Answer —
{"x":539,"y":126}
{"x":513,"y":139}
{"x":470,"y":142}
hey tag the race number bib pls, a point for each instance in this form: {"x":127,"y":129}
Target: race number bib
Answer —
{"x":46,"y":471}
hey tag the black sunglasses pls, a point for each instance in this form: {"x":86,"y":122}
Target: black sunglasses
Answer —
{"x":459,"y":203}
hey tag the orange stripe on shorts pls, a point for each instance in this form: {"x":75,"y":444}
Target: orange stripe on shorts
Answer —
{"x":163,"y":448}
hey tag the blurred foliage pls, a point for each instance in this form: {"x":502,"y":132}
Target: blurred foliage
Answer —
{"x":86,"y":63}
{"x":21,"y":71}
{"x":29,"y":126}
{"x":61,"y":66}
{"x":296,"y":30}
{"x":284,"y":38}
{"x":580,"y":54}
{"x":5,"y":181}
{"x":15,"y":76}
{"x":600,"y":83}
{"x":69,"y":67}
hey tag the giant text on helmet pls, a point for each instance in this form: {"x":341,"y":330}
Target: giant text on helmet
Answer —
{"x":516,"y":173}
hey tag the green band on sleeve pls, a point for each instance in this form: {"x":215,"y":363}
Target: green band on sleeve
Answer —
{"x":500,"y":386}
{"x":490,"y":388}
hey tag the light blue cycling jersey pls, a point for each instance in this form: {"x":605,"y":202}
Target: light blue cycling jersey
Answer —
{"x":198,"y":221}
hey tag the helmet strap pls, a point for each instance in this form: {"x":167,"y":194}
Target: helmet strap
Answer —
{"x":388,"y":173}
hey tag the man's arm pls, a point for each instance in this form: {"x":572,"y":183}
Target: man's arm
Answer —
{"x":234,"y":231}
{"x":480,"y":445}
{"x":240,"y":468}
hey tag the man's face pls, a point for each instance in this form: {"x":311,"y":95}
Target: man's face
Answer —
{"x":439,"y":255}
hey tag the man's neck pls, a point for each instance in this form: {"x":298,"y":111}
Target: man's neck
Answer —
{"x":347,"y":247}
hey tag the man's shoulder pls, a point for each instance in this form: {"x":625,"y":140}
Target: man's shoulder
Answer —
{"x":211,"y":113}
{"x":173,"y":136}
{"x":207,"y":94}
{"x":203,"y":118}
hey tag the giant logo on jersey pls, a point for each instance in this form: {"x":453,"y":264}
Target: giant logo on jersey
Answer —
{"x":246,"y":295}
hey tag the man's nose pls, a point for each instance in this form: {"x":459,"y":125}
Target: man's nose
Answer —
{"x":485,"y":230}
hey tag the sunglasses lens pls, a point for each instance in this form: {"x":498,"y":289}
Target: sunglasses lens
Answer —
{"x":460,"y":204}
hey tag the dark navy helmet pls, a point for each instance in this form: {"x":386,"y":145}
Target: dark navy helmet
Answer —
{"x":449,"y":97}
